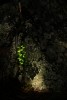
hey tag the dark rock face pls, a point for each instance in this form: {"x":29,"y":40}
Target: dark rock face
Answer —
{"x":42,"y":28}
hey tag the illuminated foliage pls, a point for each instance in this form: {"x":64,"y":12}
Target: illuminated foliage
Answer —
{"x":28,"y":69}
{"x":21,"y":53}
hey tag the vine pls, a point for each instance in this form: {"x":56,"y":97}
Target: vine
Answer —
{"x":21,"y":54}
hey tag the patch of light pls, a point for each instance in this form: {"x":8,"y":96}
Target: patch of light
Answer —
{"x":38,"y":82}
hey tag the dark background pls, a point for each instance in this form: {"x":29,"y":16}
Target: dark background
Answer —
{"x":48,"y":31}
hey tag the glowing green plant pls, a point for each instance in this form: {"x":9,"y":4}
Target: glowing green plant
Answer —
{"x":21,"y":53}
{"x":27,"y":69}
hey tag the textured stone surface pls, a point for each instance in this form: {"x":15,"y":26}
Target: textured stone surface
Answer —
{"x":42,"y":28}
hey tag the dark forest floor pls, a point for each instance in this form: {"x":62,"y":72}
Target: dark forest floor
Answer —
{"x":11,"y":90}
